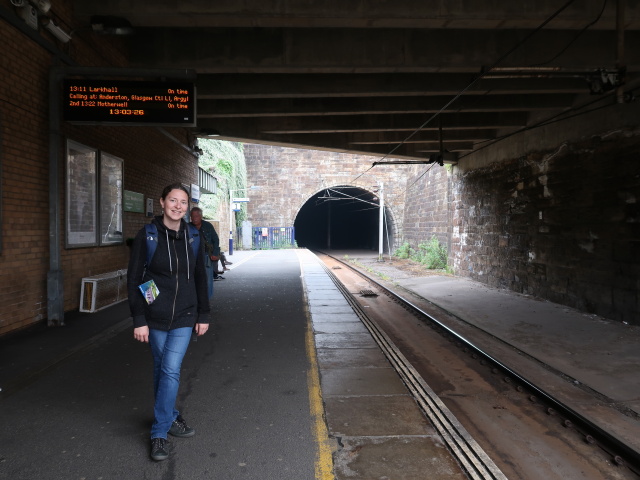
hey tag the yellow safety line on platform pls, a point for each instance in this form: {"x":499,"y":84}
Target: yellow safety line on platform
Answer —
{"x":324,"y":460}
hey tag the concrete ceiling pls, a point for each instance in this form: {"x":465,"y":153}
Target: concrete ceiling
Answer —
{"x":364,"y":76}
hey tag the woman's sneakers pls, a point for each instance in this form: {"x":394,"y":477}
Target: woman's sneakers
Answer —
{"x":159,"y":446}
{"x":179,"y":428}
{"x":159,"y":449}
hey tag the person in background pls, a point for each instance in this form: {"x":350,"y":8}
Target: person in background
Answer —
{"x":212,"y":244}
{"x":218,"y":255}
{"x":224,"y":261}
{"x":180,"y":307}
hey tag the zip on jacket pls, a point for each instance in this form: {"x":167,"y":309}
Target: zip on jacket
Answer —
{"x":175,"y":296}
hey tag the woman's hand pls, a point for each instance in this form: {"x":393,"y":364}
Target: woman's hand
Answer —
{"x":141,"y":334}
{"x":201,"y":328}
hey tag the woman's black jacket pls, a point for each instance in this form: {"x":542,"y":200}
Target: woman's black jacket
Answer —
{"x":179,"y":274}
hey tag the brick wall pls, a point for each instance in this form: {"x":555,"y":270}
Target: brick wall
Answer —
{"x":427,"y":211}
{"x":151,"y":161}
{"x":562,"y":225}
{"x":23,"y":155}
{"x":289,"y":177}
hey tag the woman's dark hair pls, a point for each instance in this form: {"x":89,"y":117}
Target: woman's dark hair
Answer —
{"x":173,"y":186}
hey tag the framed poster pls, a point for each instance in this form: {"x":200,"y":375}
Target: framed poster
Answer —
{"x":111,"y":199}
{"x":81,"y":214}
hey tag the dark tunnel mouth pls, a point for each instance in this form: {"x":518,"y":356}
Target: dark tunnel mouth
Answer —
{"x":341,"y":218}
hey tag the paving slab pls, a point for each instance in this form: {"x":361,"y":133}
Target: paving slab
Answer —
{"x":396,"y":458}
{"x":351,"y":357}
{"x":332,"y":309}
{"x":322,"y":295}
{"x":361,"y":381}
{"x":328,"y":302}
{"x":324,"y":317}
{"x":360,"y":416}
{"x":337,"y":328}
{"x":345,"y":340}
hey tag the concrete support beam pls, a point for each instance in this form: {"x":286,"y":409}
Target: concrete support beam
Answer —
{"x":377,"y":105}
{"x":268,"y":85}
{"x":349,"y":50}
{"x":365,"y":75}
{"x":362,"y":14}
{"x":424,"y":136}
{"x":388,"y":123}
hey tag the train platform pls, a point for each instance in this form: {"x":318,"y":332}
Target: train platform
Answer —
{"x":287,"y":380}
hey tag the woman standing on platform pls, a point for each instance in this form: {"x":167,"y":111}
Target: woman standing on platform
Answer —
{"x":168,"y":300}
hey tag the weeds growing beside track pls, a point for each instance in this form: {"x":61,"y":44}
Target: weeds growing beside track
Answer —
{"x":355,"y":262}
{"x":431,"y":254}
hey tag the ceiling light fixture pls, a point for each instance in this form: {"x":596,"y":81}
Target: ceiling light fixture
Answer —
{"x":43,"y":6}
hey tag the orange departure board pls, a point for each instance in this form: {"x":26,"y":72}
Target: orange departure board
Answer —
{"x":129,"y":102}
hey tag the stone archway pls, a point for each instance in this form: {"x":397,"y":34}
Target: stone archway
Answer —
{"x":343,"y":217}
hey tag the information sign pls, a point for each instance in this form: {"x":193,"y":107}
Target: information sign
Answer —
{"x":195,"y":193}
{"x":133,"y":202}
{"x":117,"y":102}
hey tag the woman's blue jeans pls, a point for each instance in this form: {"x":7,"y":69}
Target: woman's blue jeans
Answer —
{"x":168,"y":350}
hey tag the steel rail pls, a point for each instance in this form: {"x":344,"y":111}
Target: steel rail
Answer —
{"x":621,"y":453}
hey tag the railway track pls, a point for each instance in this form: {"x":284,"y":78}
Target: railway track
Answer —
{"x":572,"y":445}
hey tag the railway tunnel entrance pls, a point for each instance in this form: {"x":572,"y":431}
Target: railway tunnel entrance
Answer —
{"x":342,"y":218}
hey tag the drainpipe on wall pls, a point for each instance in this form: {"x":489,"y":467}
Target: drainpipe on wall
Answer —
{"x":55,"y":291}
{"x":620,"y":63}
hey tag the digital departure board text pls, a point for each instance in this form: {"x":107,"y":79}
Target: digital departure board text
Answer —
{"x":129,"y":102}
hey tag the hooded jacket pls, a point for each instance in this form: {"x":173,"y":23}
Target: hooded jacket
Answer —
{"x":179,"y":275}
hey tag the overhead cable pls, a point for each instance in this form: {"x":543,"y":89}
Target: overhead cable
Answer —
{"x":574,"y":39}
{"x":558,"y":117}
{"x":474,"y":81}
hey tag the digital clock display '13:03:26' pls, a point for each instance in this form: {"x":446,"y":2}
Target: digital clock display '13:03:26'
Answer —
{"x":121,"y":111}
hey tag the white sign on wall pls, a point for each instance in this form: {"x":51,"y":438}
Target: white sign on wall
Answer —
{"x":195,"y":193}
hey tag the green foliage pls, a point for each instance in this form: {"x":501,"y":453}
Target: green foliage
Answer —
{"x":225,"y":168}
{"x":225,"y":161}
{"x":432,"y":254}
{"x":404,"y":251}
{"x":354,"y":261}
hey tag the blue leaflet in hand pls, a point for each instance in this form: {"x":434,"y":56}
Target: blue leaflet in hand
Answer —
{"x":149,"y":291}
